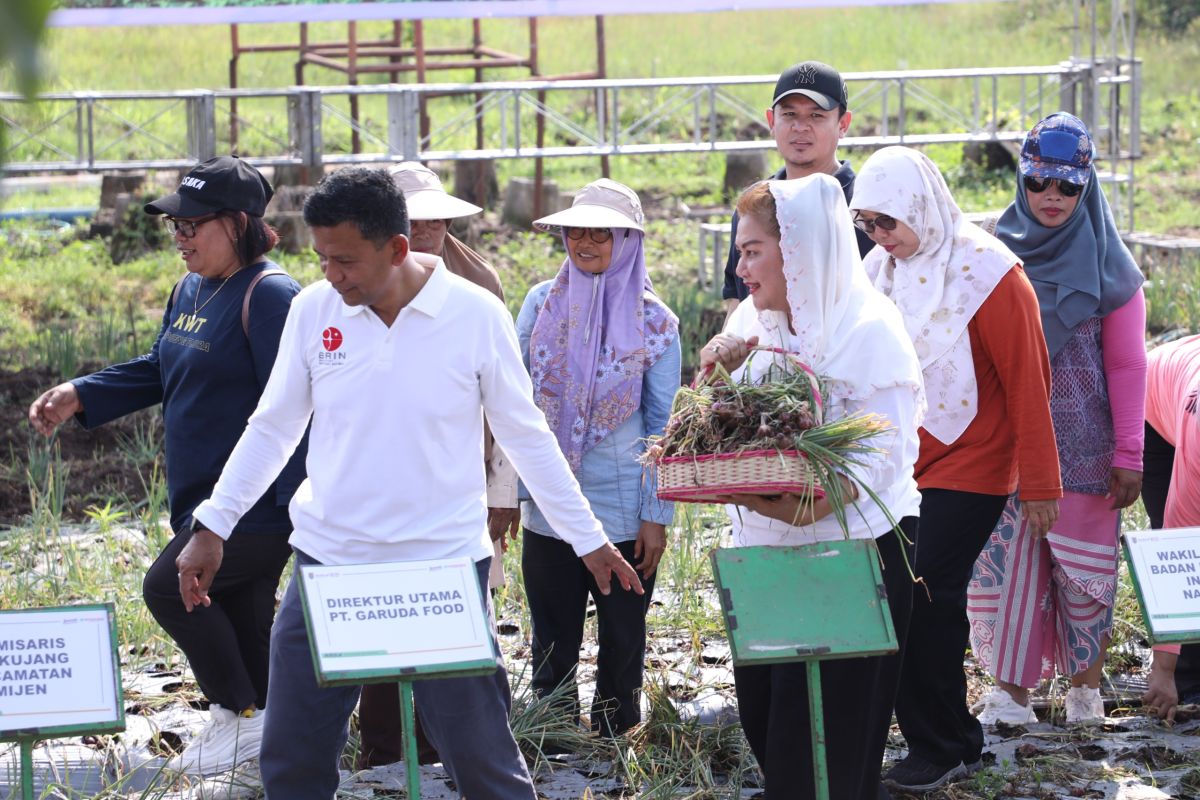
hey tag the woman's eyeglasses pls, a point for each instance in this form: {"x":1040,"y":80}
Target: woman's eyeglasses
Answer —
{"x":597,"y":235}
{"x":1065,"y":188}
{"x":186,"y":227}
{"x":868,"y":226}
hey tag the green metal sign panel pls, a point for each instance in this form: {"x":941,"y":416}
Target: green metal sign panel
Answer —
{"x":809,"y":602}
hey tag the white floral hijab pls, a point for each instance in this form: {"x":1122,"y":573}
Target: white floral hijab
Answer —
{"x":939,"y":289}
{"x":843,"y":328}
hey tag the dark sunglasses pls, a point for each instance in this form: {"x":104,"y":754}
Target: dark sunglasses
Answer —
{"x":1065,"y":188}
{"x":187,"y":227}
{"x":868,"y":226}
{"x":597,"y":235}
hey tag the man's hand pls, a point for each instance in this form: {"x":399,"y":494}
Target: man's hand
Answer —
{"x":54,"y":407}
{"x":503,"y":521}
{"x":1124,"y":486}
{"x":606,"y":560}
{"x":1162,"y":698}
{"x":1040,"y":514}
{"x":651,"y":542}
{"x":198,"y":564}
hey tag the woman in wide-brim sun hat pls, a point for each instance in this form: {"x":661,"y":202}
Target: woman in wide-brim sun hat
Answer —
{"x":208,"y":366}
{"x":431,"y":210}
{"x":603,"y":353}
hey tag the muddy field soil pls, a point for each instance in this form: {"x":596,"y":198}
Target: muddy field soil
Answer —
{"x":99,"y":465}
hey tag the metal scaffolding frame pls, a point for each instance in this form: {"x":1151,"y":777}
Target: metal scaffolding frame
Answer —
{"x":314,"y":126}
{"x":621,"y":117}
{"x":1109,"y":103}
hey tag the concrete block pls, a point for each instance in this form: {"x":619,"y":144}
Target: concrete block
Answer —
{"x":475,"y":182}
{"x":294,"y":236}
{"x":518,"y":201}
{"x":743,"y":169}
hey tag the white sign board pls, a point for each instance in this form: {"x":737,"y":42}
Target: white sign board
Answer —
{"x":416,"y":618}
{"x":1166,"y":570}
{"x":58,"y":671}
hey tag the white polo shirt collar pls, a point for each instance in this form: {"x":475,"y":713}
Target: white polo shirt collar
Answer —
{"x":429,"y":301}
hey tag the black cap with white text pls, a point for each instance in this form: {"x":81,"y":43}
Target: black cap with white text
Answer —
{"x":224,"y":183}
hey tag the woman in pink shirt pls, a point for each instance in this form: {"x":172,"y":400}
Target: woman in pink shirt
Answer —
{"x":1171,"y":493}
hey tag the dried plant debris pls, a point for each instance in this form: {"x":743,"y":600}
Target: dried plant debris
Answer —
{"x":783,"y":412}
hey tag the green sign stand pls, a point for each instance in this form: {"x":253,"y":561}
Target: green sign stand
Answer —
{"x":397,"y":623}
{"x":26,"y":744}
{"x":808,"y":603}
{"x":67,"y":640}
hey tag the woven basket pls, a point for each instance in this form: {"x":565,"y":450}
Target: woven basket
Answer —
{"x":701,"y":479}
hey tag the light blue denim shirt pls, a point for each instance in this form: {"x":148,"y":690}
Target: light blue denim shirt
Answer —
{"x":620,"y":491}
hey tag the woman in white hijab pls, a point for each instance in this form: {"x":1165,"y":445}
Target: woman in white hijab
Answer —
{"x":799,"y":260}
{"x":974,"y":319}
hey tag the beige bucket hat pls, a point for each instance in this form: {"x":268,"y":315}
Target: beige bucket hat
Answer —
{"x":601,"y":204}
{"x":425,"y":196}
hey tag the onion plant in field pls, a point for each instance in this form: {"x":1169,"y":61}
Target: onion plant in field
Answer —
{"x":67,"y":305}
{"x":1173,"y":297}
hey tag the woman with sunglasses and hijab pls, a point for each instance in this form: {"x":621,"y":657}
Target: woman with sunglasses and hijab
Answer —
{"x":973,"y":317}
{"x":799,"y":259}
{"x":210,"y":363}
{"x":603,"y":353}
{"x":1040,"y":601}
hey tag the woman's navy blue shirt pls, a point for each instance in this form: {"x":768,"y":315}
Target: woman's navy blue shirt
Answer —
{"x":208,"y":374}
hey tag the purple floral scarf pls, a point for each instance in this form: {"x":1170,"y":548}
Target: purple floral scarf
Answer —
{"x":595,"y":336}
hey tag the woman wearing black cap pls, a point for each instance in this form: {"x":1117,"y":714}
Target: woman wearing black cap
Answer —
{"x":208,"y":367}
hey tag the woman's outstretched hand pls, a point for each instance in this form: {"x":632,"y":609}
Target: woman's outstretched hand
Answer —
{"x":54,"y":407}
{"x":726,"y":349}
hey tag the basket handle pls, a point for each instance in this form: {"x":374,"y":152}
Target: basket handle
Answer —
{"x":813,"y":383}
{"x":702,"y":376}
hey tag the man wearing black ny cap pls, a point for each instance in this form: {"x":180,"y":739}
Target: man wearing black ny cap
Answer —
{"x":807,"y":117}
{"x":208,"y":366}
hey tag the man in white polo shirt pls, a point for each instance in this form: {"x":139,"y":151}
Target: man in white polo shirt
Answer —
{"x":396,"y":360}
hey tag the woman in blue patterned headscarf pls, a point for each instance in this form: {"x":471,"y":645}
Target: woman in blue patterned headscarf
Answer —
{"x":1037,"y":602}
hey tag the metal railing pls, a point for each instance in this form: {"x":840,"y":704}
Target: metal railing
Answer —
{"x":311,"y":126}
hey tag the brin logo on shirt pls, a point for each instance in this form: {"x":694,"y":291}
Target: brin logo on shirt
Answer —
{"x":331,"y":341}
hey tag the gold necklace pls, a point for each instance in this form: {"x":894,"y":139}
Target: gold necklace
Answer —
{"x":196,"y":299}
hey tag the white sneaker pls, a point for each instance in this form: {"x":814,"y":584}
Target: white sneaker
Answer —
{"x":1084,"y":704}
{"x":229,"y":739}
{"x":998,"y":706}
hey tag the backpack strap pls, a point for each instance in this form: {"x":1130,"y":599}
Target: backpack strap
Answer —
{"x":178,"y":289}
{"x":266,"y":273}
